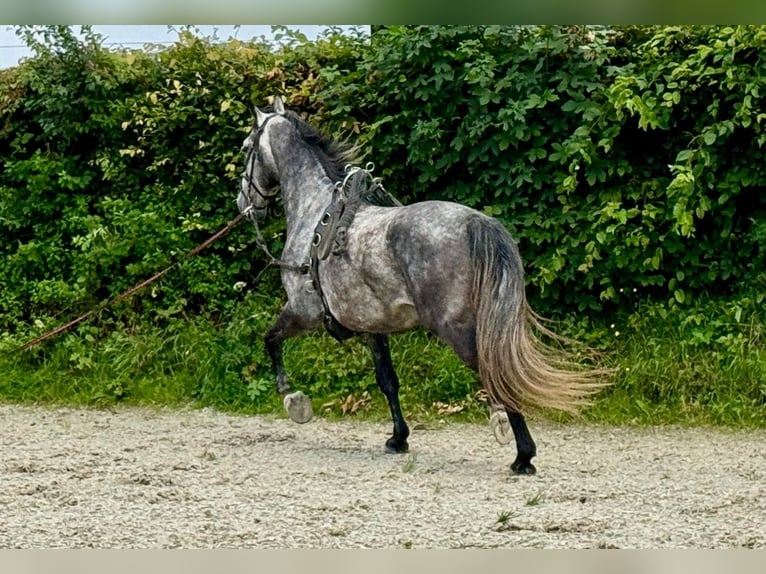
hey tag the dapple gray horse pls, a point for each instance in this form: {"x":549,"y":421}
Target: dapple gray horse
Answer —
{"x":434,"y":264}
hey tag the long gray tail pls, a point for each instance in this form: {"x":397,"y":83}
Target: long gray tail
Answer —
{"x":516,"y":367}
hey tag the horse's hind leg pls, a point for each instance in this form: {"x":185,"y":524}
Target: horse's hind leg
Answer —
{"x":463,"y":342}
{"x":288,"y":325}
{"x":389,"y":384}
{"x":525,"y":446}
{"x":504,"y":421}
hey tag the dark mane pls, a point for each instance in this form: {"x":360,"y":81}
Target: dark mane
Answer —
{"x":333,"y":155}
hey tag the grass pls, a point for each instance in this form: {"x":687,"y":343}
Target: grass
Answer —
{"x":696,"y":371}
{"x":503,"y":521}
{"x":670,"y":370}
{"x":535,"y":499}
{"x":409,"y":466}
{"x":504,"y":517}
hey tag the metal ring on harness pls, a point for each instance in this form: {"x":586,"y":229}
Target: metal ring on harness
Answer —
{"x":350,"y":171}
{"x":317,"y":239}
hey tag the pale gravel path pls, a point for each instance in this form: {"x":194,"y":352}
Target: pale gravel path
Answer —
{"x":138,"y":478}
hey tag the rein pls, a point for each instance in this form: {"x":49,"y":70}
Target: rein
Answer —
{"x":125,"y":294}
{"x":261,"y":243}
{"x":249,"y":211}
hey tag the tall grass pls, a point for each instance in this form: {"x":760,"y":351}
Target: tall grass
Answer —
{"x":705,"y":365}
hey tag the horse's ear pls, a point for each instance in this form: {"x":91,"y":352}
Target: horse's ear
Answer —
{"x":279,"y":106}
{"x":259,"y":116}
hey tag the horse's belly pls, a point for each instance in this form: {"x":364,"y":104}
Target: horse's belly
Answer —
{"x":365,"y":302}
{"x":364,"y":288}
{"x":363,"y":312}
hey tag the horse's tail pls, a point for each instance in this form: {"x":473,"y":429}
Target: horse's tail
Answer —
{"x":516,"y":367}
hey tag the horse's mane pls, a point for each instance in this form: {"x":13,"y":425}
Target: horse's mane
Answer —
{"x":333,"y":155}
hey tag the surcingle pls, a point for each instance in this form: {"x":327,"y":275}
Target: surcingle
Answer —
{"x":358,"y":188}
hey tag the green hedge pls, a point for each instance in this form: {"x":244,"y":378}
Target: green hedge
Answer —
{"x":627,"y":161}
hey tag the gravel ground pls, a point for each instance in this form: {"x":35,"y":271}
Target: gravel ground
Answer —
{"x":140,"y":478}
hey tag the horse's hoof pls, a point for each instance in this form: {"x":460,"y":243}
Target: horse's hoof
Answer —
{"x":501,"y":427}
{"x":298,"y":407}
{"x":395,"y":447}
{"x":523,"y":468}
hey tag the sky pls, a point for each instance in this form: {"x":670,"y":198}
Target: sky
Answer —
{"x":12,"y":48}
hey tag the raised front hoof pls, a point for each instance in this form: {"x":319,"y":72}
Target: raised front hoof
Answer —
{"x":298,"y":407}
{"x":523,"y":467}
{"x":501,"y":427}
{"x":395,"y":446}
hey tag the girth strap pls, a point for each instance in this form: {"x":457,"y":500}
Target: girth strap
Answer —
{"x":330,"y":234}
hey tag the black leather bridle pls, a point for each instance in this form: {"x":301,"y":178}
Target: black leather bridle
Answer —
{"x":252,"y":156}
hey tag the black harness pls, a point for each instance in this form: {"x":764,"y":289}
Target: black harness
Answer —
{"x":331,"y":232}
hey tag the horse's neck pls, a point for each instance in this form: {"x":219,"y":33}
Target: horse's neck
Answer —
{"x":306,"y":193}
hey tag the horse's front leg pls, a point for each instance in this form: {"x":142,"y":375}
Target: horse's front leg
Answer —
{"x":288,"y":324}
{"x":389,"y":384}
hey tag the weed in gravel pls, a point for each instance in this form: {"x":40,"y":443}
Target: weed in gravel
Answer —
{"x":208,"y":455}
{"x":504,"y":517}
{"x":409,"y":466}
{"x":535,"y":499}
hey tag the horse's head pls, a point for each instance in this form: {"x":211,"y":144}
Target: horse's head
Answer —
{"x":260,"y":179}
